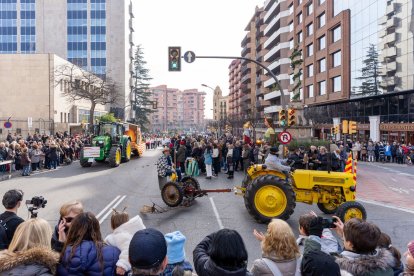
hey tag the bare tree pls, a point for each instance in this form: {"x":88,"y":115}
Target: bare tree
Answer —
{"x":82,"y":85}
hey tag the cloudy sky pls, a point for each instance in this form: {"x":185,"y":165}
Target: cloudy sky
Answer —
{"x":206,"y":27}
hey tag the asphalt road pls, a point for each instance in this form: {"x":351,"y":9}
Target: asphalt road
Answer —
{"x":135,"y":184}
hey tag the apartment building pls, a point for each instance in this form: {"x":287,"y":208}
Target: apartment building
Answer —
{"x":177,"y":110}
{"x":235,"y":88}
{"x":96,"y":35}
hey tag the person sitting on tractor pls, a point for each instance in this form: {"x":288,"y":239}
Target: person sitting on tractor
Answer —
{"x":297,"y":156}
{"x":164,"y":167}
{"x":273,"y":162}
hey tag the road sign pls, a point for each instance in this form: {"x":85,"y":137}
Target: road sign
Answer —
{"x":189,"y":56}
{"x":8,"y":124}
{"x":284,"y":137}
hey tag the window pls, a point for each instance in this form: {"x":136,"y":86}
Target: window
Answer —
{"x":322,"y":88}
{"x":309,"y":50}
{"x":336,"y":34}
{"x":322,"y":65}
{"x":291,"y":26}
{"x":321,"y":43}
{"x":300,"y":17}
{"x":336,"y":84}
{"x":300,"y":37}
{"x":336,"y":59}
{"x":309,"y":29}
{"x":291,"y":44}
{"x":309,"y":8}
{"x":309,"y":70}
{"x":310,"y":91}
{"x":321,"y":20}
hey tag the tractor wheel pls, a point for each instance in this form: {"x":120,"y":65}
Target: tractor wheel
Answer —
{"x":172,"y":194}
{"x":84,"y":161}
{"x":245,"y":183}
{"x":114,"y":157}
{"x":351,"y":209}
{"x":191,"y":181}
{"x":328,"y":208}
{"x":270,"y":197}
{"x":127,"y":152}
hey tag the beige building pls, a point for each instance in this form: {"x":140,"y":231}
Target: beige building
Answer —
{"x":220,"y":105}
{"x":177,"y":110}
{"x":31,"y":96}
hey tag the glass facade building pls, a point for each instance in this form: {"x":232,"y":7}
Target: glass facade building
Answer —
{"x":77,"y":31}
{"x":386,"y":28}
{"x":27,"y":26}
{"x":8,"y":26}
{"x":98,"y":37}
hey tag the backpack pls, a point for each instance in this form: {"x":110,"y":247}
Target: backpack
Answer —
{"x":4,"y":241}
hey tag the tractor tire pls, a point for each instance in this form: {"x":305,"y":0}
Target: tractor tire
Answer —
{"x":351,"y":209}
{"x":127,"y":152}
{"x":84,"y":161}
{"x":245,"y":183}
{"x":327,"y":208}
{"x":172,"y":194}
{"x":114,"y":157}
{"x":270,"y":197}
{"x":192,"y":181}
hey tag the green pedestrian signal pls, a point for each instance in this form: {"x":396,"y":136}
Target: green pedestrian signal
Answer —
{"x":282,"y":118}
{"x":174,"y":59}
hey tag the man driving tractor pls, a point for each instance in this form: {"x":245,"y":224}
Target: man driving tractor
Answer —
{"x":273,"y":162}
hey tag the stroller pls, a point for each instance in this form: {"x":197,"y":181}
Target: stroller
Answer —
{"x":382,"y":157}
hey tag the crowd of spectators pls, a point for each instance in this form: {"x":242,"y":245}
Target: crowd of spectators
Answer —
{"x":78,"y":248}
{"x":39,"y":152}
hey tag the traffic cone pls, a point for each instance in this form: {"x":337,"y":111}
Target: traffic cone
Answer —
{"x":348,"y":164}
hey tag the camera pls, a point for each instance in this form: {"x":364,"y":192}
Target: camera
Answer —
{"x":329,"y":222}
{"x":36,"y":202}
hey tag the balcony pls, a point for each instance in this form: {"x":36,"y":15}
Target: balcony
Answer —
{"x":270,"y":11}
{"x":391,"y":38}
{"x":246,"y":48}
{"x":276,"y":49}
{"x":275,"y":20}
{"x":391,"y":8}
{"x":245,"y":78}
{"x":279,"y":62}
{"x":392,"y":23}
{"x":272,"y":109}
{"x":273,"y":37}
{"x":262,"y":103}
{"x":391,"y":52}
{"x":391,"y":66}
{"x":389,"y":81}
{"x":246,"y":98}
{"x":280,"y":77}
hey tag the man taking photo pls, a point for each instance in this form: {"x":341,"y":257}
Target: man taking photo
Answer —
{"x":9,"y":220}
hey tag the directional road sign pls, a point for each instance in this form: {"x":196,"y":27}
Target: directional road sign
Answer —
{"x":284,"y":137}
{"x":189,"y":56}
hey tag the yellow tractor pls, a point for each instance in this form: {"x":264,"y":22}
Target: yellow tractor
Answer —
{"x":272,"y":194}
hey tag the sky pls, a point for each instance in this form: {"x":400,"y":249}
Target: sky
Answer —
{"x":206,"y":27}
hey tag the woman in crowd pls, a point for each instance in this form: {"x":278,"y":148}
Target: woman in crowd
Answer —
{"x":25,"y":162}
{"x":221,"y":253}
{"x":208,"y":160}
{"x":84,"y":252}
{"x":29,"y":252}
{"x":279,"y":251}
{"x":385,"y":242}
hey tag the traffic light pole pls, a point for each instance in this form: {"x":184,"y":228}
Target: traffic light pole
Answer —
{"x":282,"y":101}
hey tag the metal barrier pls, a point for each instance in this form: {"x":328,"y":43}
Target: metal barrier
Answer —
{"x":10,"y":167}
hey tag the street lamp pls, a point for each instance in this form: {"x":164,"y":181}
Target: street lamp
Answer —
{"x":205,"y":85}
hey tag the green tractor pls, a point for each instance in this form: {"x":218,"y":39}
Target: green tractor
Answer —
{"x":109,"y":143}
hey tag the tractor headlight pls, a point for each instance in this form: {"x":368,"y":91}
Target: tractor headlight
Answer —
{"x":352,"y":188}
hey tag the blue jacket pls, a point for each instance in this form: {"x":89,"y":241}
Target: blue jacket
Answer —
{"x":208,"y":159}
{"x":85,"y":260}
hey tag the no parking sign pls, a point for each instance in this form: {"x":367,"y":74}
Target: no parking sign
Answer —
{"x":8,"y":124}
{"x":284,"y":137}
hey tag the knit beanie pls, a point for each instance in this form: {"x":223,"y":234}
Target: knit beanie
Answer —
{"x":175,"y":247}
{"x":411,"y":248}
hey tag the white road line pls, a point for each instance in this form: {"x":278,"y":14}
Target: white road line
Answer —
{"x":107,"y":206}
{"x":110,"y":211}
{"x":216,"y":213}
{"x":386,"y":205}
{"x":406,"y":174}
{"x":393,"y":179}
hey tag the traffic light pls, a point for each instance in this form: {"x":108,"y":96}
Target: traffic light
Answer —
{"x":335,"y":130}
{"x":282,"y":118}
{"x":174,"y":59}
{"x":291,"y":117}
{"x":345,"y":126}
{"x":352,"y":127}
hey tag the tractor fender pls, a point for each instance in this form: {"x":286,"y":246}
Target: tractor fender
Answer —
{"x":256,"y":174}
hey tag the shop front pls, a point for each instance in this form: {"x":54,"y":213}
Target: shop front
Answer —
{"x":401,"y":133}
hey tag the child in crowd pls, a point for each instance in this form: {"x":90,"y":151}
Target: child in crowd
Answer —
{"x":385,"y":242}
{"x":409,"y":255}
{"x":177,"y":265}
{"x":123,"y":231}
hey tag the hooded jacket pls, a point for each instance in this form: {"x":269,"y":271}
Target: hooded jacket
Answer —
{"x":33,"y":262}
{"x":121,"y":238}
{"x":286,"y":267}
{"x":379,"y":263}
{"x":85,"y":260}
{"x":205,"y":266}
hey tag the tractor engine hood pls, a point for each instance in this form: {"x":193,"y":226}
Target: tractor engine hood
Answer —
{"x":101,"y":141}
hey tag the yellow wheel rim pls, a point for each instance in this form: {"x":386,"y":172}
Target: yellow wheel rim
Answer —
{"x":270,"y":201}
{"x":128,"y":151}
{"x":353,"y":213}
{"x":330,"y":206}
{"x":118,"y":157}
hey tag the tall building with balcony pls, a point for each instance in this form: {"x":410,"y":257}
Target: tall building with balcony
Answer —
{"x":96,"y":35}
{"x":235,"y":88}
{"x":276,"y":34}
{"x":177,"y":110}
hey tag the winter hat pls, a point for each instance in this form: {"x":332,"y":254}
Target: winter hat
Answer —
{"x":318,"y":263}
{"x":175,"y":247}
{"x":147,"y":249}
{"x":411,"y":248}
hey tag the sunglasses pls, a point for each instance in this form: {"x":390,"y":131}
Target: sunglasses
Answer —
{"x":68,"y":219}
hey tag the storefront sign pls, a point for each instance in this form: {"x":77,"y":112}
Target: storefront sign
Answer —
{"x":362,"y":126}
{"x":397,"y":127}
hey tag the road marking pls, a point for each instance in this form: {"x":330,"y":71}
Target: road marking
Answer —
{"x":393,"y":179}
{"x":110,"y":211}
{"x":107,"y":206}
{"x":406,"y":174}
{"x":386,"y":205}
{"x":216,"y":213}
